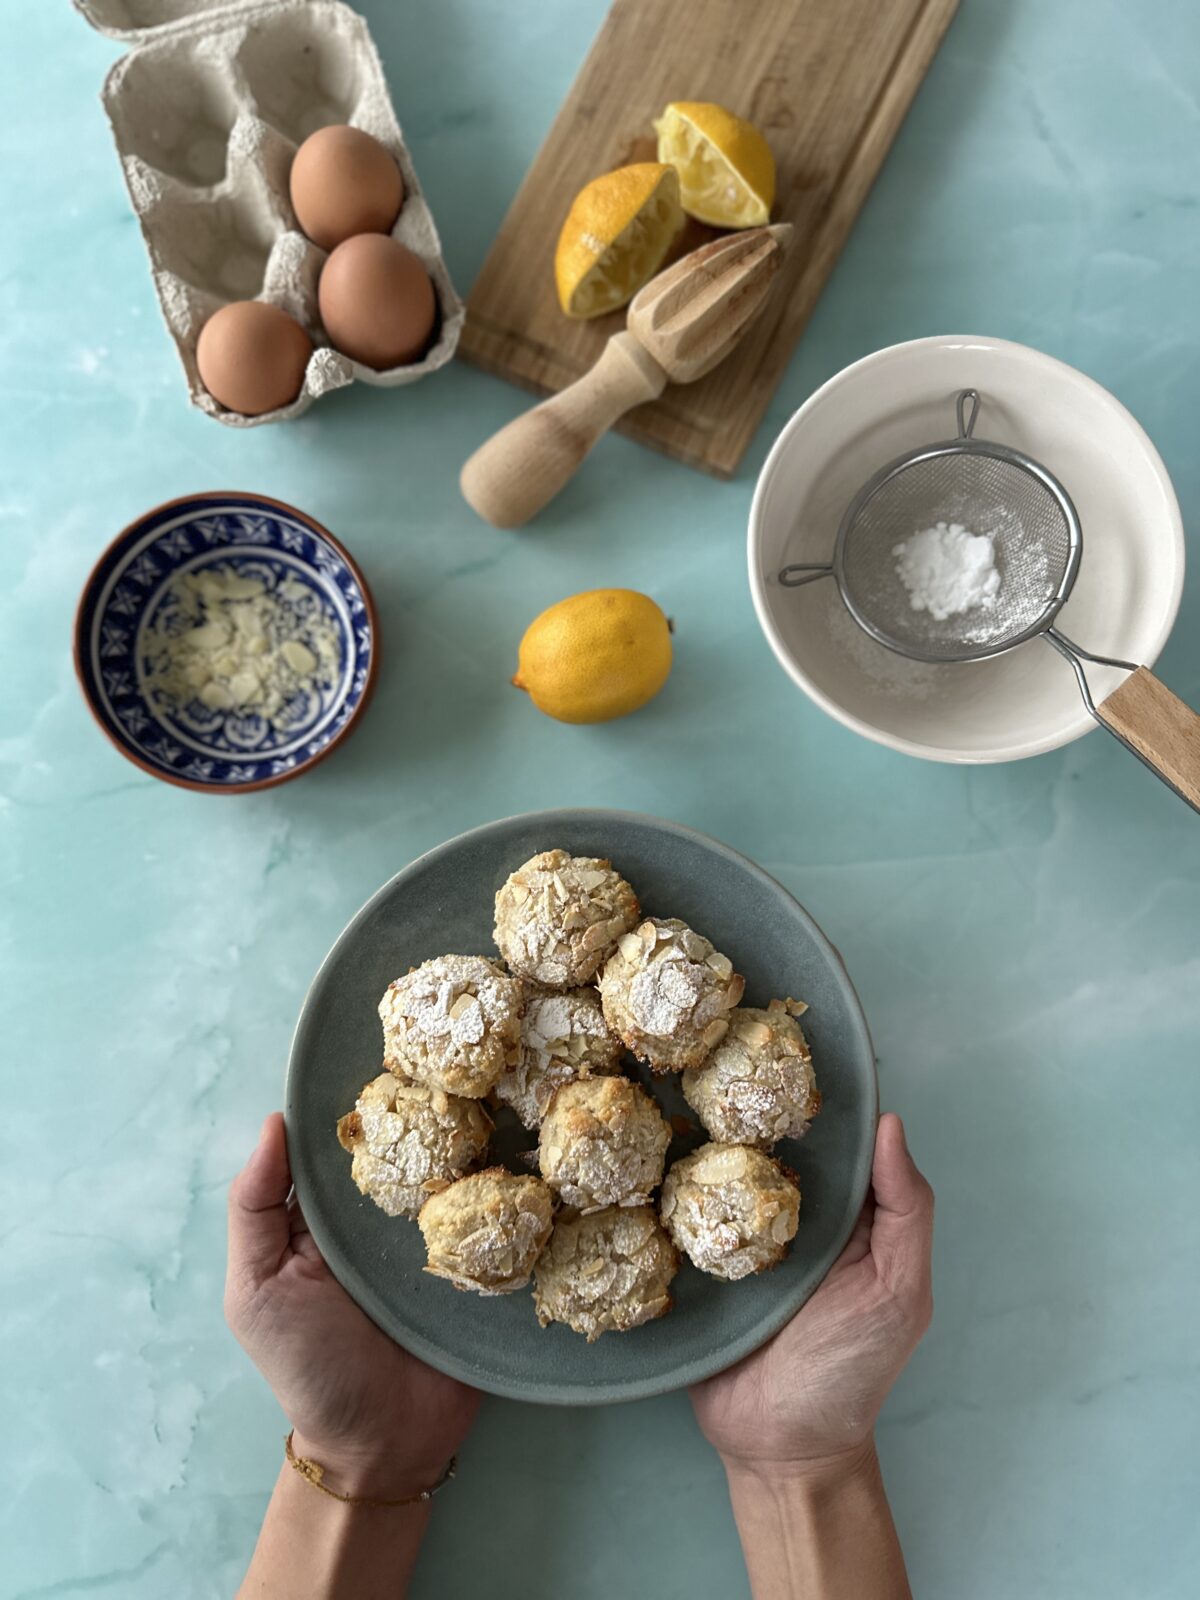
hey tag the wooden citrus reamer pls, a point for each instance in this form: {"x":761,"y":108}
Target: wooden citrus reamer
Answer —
{"x":680,"y":326}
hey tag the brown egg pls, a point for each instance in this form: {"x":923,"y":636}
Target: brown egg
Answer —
{"x":252,"y":357}
{"x":376,"y":301}
{"x":344,"y":182}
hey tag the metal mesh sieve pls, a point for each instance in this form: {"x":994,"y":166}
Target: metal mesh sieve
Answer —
{"x":992,"y":489}
{"x":989,"y":489}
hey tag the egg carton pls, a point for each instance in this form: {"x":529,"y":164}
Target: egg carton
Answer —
{"x":207,"y":111}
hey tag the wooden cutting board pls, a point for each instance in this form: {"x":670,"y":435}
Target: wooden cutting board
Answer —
{"x":827,"y":81}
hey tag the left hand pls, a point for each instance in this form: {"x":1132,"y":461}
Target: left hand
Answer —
{"x":381,"y":1422}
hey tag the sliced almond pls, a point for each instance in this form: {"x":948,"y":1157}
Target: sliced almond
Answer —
{"x":350,"y":1130}
{"x":596,"y":937}
{"x":630,"y":946}
{"x":440,"y":1103}
{"x":723,"y":1166}
{"x":714,"y":1033}
{"x":734,"y":993}
{"x":720,"y":964}
{"x":552,"y":1155}
{"x":753,"y":1032}
{"x":519,"y":891}
{"x":592,"y":1267}
{"x":783,"y":1227}
{"x":591,"y":879}
{"x":693,"y":945}
{"x":298,"y":656}
{"x":474,"y":1241}
{"x":462,"y":1005}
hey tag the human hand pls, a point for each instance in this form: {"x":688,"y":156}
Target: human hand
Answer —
{"x":810,"y":1397}
{"x":380,"y":1421}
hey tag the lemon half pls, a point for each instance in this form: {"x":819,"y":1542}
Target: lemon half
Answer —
{"x":617,"y":232}
{"x":726,"y":169}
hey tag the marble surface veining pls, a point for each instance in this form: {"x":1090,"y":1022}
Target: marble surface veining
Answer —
{"x":1024,"y":937}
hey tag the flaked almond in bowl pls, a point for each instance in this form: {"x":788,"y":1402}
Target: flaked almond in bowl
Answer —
{"x":226,"y":642}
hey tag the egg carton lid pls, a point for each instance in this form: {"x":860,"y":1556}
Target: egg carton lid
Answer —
{"x":132,"y":20}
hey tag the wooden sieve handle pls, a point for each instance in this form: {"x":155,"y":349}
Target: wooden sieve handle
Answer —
{"x":510,"y":478}
{"x":1159,"y":727}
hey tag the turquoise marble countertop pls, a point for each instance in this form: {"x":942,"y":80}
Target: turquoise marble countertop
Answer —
{"x":1024,"y":937}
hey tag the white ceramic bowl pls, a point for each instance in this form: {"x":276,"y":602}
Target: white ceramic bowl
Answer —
{"x":1024,"y":702}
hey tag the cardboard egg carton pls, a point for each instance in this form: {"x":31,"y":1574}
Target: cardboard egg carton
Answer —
{"x":207,"y":110}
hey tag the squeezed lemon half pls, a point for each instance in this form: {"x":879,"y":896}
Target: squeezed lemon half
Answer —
{"x":725,"y":166}
{"x":616,"y":235}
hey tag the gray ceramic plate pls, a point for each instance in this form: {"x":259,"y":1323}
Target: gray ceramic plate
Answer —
{"x":443,"y":902}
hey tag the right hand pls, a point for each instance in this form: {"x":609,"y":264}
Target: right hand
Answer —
{"x":810,"y":1397}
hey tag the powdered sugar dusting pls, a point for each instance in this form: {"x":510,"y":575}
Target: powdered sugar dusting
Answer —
{"x":731,"y":1209}
{"x":947,"y":570}
{"x":454,"y":1020}
{"x":563,"y":1037}
{"x":665,"y":994}
{"x":666,"y":991}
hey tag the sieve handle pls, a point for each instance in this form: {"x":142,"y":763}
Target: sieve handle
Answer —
{"x":1156,"y":725}
{"x":801,"y":572}
{"x":963,"y":399}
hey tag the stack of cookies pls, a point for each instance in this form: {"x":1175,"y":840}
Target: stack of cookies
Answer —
{"x":584,"y":979}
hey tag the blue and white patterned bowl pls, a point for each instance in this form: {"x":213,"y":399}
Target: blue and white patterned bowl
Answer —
{"x":130,"y":592}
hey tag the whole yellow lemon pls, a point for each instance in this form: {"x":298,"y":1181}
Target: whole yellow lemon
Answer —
{"x":595,"y":656}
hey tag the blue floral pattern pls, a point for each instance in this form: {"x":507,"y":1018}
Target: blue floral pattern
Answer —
{"x":133,"y":584}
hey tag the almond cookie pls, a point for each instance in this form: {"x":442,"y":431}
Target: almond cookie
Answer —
{"x":454,"y":1023}
{"x":409,"y":1140}
{"x":607,"y":1272}
{"x":558,"y":917}
{"x":731,"y":1209}
{"x":666,"y":993}
{"x":603,"y":1143}
{"x":563,"y":1037}
{"x":757,"y":1087}
{"x":485,"y":1232}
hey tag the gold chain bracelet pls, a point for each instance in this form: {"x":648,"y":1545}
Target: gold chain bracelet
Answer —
{"x":313,"y":1472}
